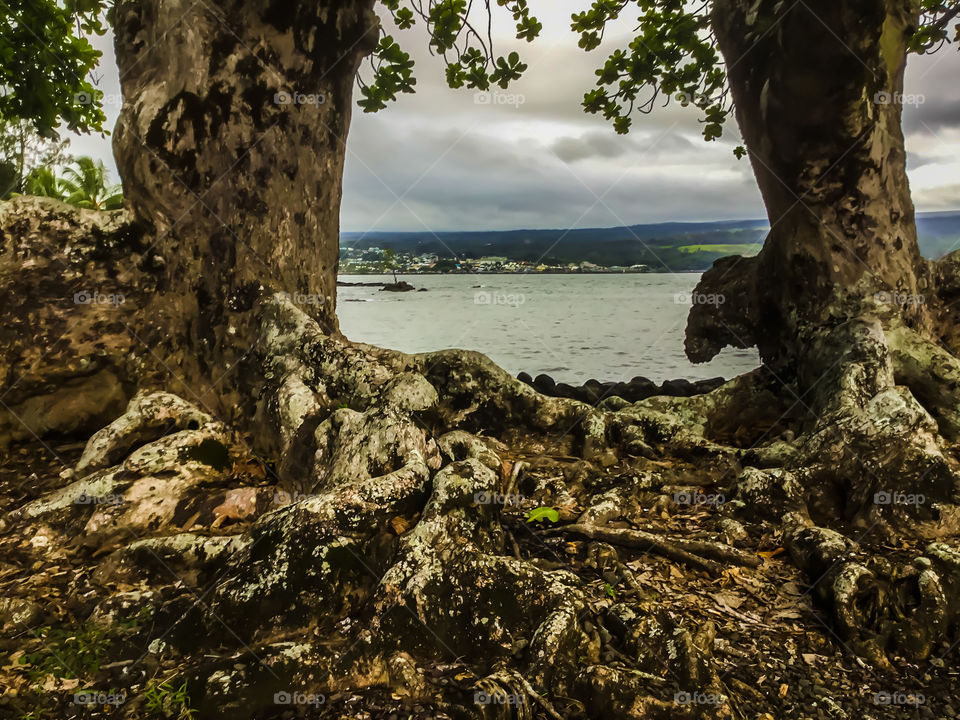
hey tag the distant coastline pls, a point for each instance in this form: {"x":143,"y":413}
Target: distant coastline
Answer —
{"x":552,"y":271}
{"x":656,"y":248}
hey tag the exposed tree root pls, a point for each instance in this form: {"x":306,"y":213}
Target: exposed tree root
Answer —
{"x":875,"y":460}
{"x":391,"y":538}
{"x":704,"y":555}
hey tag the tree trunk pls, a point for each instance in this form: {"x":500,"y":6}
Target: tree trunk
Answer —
{"x":231,"y":143}
{"x":852,"y":321}
{"x":818,"y":90}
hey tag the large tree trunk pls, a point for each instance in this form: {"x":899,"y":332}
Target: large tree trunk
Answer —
{"x":231,"y":143}
{"x":818,"y":89}
{"x":845,"y":312}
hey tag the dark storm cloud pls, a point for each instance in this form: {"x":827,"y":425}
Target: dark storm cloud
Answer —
{"x":933,"y":115}
{"x":917,"y":160}
{"x":931,"y":92}
{"x":470,"y":180}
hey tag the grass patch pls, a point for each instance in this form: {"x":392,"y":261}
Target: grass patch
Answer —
{"x":746,"y":249}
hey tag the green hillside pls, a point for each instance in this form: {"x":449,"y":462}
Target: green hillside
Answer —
{"x":664,"y":247}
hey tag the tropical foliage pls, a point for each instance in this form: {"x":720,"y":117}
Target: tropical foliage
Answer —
{"x":43,"y":183}
{"x":22,"y":150}
{"x":46,"y":56}
{"x":83,"y":184}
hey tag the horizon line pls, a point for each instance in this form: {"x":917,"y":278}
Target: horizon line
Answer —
{"x":606,"y":227}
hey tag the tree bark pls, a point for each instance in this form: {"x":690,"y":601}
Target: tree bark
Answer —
{"x":854,"y":323}
{"x":818,"y":90}
{"x":231,"y":142}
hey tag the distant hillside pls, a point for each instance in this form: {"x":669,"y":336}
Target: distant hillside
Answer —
{"x":673,"y":246}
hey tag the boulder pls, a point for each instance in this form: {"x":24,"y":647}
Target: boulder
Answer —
{"x":545,"y":384}
{"x":677,"y":388}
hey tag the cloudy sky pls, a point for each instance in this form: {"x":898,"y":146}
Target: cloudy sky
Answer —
{"x":440,"y":160}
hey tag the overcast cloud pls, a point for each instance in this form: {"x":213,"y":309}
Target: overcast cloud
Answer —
{"x":442,"y":160}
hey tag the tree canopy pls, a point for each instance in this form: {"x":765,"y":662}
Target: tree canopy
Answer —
{"x":47,"y":56}
{"x":45,"y":61}
{"x":672,"y":54}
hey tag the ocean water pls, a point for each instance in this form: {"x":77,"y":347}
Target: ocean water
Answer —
{"x":572,"y":327}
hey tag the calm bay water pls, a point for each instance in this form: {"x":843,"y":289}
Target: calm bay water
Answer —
{"x":572,"y":327}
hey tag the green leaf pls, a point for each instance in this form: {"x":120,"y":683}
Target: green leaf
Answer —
{"x":543,"y":513}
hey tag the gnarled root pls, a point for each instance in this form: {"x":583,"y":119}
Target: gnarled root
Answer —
{"x":873,"y":461}
{"x":879,"y":606}
{"x":380,"y":550}
{"x":695,"y":553}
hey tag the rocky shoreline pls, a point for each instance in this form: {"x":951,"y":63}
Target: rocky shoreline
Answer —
{"x":635,"y":390}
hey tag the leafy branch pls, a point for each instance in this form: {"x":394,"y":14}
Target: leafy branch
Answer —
{"x":457,"y":35}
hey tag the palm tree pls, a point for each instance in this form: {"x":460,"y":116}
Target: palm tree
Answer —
{"x":86,"y":186}
{"x":41,"y":181}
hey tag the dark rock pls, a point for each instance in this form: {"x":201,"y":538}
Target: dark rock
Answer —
{"x":545,"y":384}
{"x":677,"y":388}
{"x":592,"y":391}
{"x":567,"y":391}
{"x":525,"y":378}
{"x":621,"y":390}
{"x":639,"y":388}
{"x":401,"y":286}
{"x":705,"y":386}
